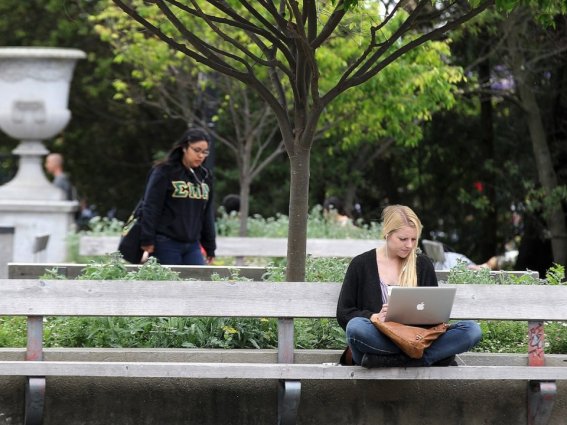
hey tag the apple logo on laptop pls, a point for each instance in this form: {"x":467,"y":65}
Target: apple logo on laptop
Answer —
{"x":420,"y":306}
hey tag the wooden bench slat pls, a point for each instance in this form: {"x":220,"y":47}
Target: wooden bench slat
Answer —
{"x":252,"y":299}
{"x":73,"y":270}
{"x":274,"y":371}
{"x":157,"y":298}
{"x":516,"y":302}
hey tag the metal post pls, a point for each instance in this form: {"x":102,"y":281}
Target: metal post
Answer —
{"x":35,"y":385}
{"x":289,"y":391}
{"x":541,"y":394}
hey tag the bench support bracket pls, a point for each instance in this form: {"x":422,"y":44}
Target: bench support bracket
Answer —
{"x":289,"y":393}
{"x":35,"y":385}
{"x":541,"y":397}
{"x":35,"y":400}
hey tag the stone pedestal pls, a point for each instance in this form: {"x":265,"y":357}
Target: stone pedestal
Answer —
{"x":33,"y":219}
{"x":6,"y":249}
{"x":34,"y":87}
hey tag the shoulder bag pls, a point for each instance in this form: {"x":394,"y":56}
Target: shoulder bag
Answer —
{"x":412,"y":340}
{"x":130,"y":240}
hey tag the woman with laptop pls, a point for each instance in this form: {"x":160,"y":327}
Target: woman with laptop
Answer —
{"x":365,"y":293}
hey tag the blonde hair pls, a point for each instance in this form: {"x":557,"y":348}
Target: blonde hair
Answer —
{"x":394,"y":217}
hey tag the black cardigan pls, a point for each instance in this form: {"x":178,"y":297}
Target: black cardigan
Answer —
{"x":361,"y":293}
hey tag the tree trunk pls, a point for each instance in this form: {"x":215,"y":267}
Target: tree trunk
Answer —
{"x":298,"y":211}
{"x":547,"y":177}
{"x":487,"y":245}
{"x":244,"y":206}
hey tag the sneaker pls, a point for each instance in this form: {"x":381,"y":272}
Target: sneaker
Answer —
{"x":370,"y":361}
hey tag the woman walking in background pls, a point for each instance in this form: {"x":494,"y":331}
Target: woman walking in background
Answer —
{"x":176,"y":214}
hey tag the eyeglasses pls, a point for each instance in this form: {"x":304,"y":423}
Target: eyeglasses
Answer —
{"x":199,"y":151}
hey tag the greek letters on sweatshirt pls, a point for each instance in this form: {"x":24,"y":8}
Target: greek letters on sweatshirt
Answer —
{"x":177,"y":204}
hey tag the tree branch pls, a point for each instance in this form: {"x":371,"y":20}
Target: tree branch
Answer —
{"x":361,"y":78}
{"x":403,"y":29}
{"x":217,"y":64}
{"x":198,"y":43}
{"x":334,"y":20}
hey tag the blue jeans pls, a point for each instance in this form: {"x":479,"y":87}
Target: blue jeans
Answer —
{"x":363,"y":337}
{"x":172,"y":252}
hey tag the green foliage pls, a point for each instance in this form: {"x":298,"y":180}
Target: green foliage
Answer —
{"x":556,"y":337}
{"x":503,"y":337}
{"x":277,"y":227}
{"x":152,"y":270}
{"x":104,"y":226}
{"x":52,"y":274}
{"x":163,"y":332}
{"x":462,"y":274}
{"x":544,"y":10}
{"x":13,"y":331}
{"x":316,"y":270}
{"x":318,"y":333}
{"x":479,"y":201}
{"x":396,"y":102}
{"x":234,"y":276}
{"x":555,"y":275}
{"x":539,"y":199}
{"x":109,"y":267}
{"x":512,"y":337}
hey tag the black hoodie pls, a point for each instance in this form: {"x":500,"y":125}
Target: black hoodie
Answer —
{"x":177,"y":204}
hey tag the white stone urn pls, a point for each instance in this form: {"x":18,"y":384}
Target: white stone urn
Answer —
{"x":34,"y":88}
{"x":34,"y":93}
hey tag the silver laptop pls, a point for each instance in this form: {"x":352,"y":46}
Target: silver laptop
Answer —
{"x":428,"y":305}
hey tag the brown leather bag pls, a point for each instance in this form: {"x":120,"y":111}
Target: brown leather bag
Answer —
{"x":412,"y":340}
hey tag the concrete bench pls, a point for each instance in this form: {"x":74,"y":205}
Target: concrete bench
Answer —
{"x":247,"y":246}
{"x":285,"y":301}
